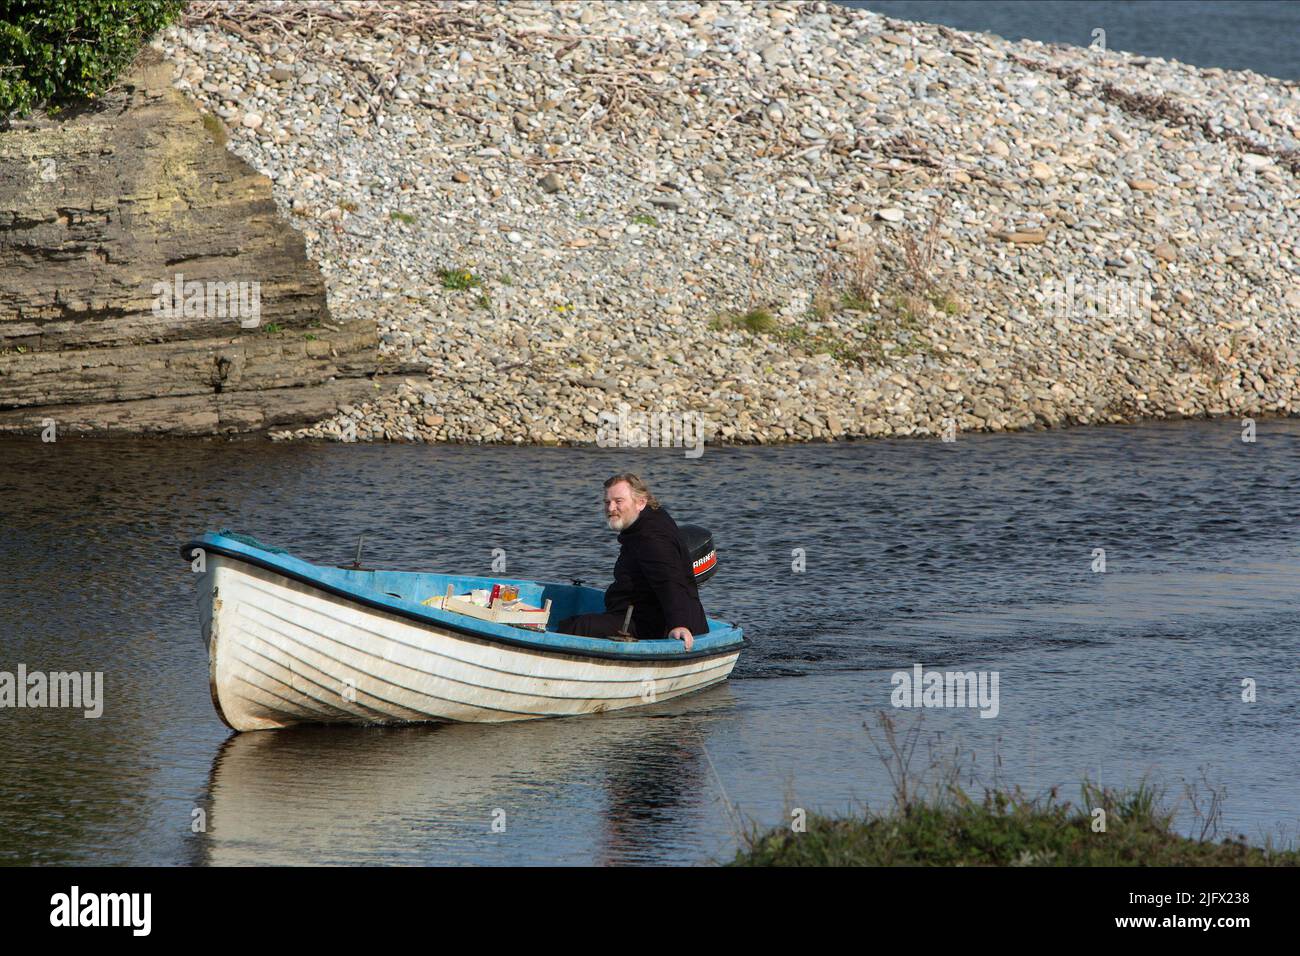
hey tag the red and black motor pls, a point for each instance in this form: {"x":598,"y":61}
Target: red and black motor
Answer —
{"x":699,"y":545}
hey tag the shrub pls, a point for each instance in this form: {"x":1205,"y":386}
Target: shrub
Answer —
{"x":59,"y":52}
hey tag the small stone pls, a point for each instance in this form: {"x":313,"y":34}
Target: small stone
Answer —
{"x":280,"y":74}
{"x":1041,"y":171}
{"x":251,"y":120}
{"x":1143,"y":185}
{"x":514,"y":237}
{"x":1165,"y":252}
{"x":460,"y":176}
{"x":551,"y":183}
{"x":1023,"y":237}
{"x":891,"y":214}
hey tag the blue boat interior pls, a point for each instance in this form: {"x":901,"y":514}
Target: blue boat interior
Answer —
{"x":417,"y":586}
{"x":406,"y":590}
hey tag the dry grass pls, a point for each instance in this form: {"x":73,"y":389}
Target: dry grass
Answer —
{"x":919,"y":252}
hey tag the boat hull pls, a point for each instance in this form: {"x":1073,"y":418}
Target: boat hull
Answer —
{"x":284,"y":652}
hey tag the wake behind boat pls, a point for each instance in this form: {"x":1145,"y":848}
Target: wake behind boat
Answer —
{"x":292,"y":642}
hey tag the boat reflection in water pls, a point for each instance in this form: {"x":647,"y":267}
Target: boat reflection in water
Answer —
{"x":612,"y":788}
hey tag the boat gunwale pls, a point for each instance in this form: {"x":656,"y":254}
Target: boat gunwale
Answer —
{"x":425,"y":619}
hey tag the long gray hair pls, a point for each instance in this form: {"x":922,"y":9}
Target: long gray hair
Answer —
{"x":638,"y":487}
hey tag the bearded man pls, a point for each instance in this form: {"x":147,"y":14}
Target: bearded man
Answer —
{"x":653,"y":574}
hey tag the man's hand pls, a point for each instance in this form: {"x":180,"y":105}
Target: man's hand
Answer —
{"x":682,"y":634}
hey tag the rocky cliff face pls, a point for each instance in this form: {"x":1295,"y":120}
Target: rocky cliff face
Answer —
{"x":149,"y":284}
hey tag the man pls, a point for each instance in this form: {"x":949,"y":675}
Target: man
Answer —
{"x":653,"y":572}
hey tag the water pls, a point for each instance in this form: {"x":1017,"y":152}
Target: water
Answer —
{"x":1259,"y":35}
{"x":974,"y":555}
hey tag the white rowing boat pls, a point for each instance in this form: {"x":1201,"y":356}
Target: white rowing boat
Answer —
{"x":291,"y":642}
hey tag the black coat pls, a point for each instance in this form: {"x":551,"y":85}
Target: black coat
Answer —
{"x":654,"y":573}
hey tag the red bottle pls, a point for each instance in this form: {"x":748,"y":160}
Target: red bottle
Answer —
{"x":496,"y":593}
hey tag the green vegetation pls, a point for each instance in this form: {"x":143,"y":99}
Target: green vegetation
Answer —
{"x":757,"y":320}
{"x":816,"y":342}
{"x":947,"y":303}
{"x":645,"y":220}
{"x":890,"y":335}
{"x":1005,"y":829}
{"x":899,"y":303}
{"x":405,"y":217}
{"x":272,"y":327}
{"x":937,"y":823}
{"x":347,"y":205}
{"x":854,"y":303}
{"x":60,"y":54}
{"x":459,"y":279}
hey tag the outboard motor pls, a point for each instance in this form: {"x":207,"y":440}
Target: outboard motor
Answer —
{"x":699,"y":545}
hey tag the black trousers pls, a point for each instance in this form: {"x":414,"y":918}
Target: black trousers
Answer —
{"x":596,"y":625}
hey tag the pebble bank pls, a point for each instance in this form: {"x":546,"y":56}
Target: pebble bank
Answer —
{"x":792,"y":221}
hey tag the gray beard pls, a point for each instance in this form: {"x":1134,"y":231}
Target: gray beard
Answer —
{"x":623,"y":523}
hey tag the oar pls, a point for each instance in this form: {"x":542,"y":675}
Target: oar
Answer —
{"x":623,"y":634}
{"x":356,"y":562}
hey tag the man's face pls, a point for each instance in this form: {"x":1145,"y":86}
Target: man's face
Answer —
{"x":622,"y":505}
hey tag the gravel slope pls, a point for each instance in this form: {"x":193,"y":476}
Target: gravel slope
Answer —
{"x":1114,"y":237}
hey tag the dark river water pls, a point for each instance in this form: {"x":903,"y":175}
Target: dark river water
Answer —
{"x":1259,"y":35}
{"x":975,"y":555}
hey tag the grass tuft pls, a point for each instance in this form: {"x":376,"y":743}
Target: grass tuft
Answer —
{"x":459,"y":279}
{"x":935,"y":822}
{"x":758,"y":320}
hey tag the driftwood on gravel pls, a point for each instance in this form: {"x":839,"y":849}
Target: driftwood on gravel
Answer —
{"x":301,"y":25}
